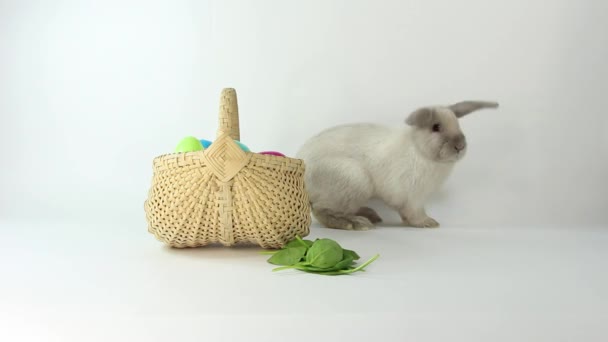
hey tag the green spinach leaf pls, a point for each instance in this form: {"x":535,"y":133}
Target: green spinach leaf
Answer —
{"x":351,"y":253}
{"x":298,"y":242}
{"x":324,"y":253}
{"x":321,"y":256}
{"x":288,"y":256}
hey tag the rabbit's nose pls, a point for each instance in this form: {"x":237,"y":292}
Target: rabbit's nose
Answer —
{"x":460,"y":143}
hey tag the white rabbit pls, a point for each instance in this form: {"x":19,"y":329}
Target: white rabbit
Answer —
{"x":348,"y":165}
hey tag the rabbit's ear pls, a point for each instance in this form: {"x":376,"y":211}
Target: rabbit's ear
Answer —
{"x":465,"y":107}
{"x":422,"y":117}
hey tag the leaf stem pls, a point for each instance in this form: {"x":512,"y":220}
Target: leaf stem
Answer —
{"x":282,"y":268}
{"x":361,"y":267}
{"x":267,"y":252}
{"x":301,"y":241}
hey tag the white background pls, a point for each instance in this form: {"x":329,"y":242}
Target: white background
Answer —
{"x":91,"y":91}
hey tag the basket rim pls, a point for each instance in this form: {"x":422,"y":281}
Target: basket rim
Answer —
{"x":253,"y":155}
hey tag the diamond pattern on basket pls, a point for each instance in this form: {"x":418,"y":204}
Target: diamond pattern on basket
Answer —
{"x":225,"y":158}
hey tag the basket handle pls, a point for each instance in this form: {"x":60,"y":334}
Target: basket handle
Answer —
{"x":229,"y":114}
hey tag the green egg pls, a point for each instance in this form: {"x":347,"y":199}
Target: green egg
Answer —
{"x":189,"y":144}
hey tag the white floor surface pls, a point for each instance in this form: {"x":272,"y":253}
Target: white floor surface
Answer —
{"x":94,"y":282}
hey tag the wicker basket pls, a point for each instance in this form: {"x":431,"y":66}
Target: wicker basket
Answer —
{"x":225,"y":195}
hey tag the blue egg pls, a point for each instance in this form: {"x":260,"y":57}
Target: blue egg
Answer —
{"x":207,"y":143}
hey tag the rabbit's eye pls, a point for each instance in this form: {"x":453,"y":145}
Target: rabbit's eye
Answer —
{"x":436,"y":127}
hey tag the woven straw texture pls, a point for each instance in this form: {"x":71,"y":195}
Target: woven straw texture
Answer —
{"x":225,"y":195}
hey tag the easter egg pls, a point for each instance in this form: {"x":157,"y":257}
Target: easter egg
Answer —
{"x":273,"y":153}
{"x":242,"y":146}
{"x":205,"y":143}
{"x":189,"y":144}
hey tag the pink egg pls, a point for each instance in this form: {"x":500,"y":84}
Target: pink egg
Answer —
{"x":273,"y":153}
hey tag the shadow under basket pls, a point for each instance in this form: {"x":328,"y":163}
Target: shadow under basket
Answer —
{"x":226,"y":195}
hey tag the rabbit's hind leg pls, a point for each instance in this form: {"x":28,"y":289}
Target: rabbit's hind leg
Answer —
{"x":337,"y":220}
{"x":370,"y":213}
{"x":338,"y":189}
